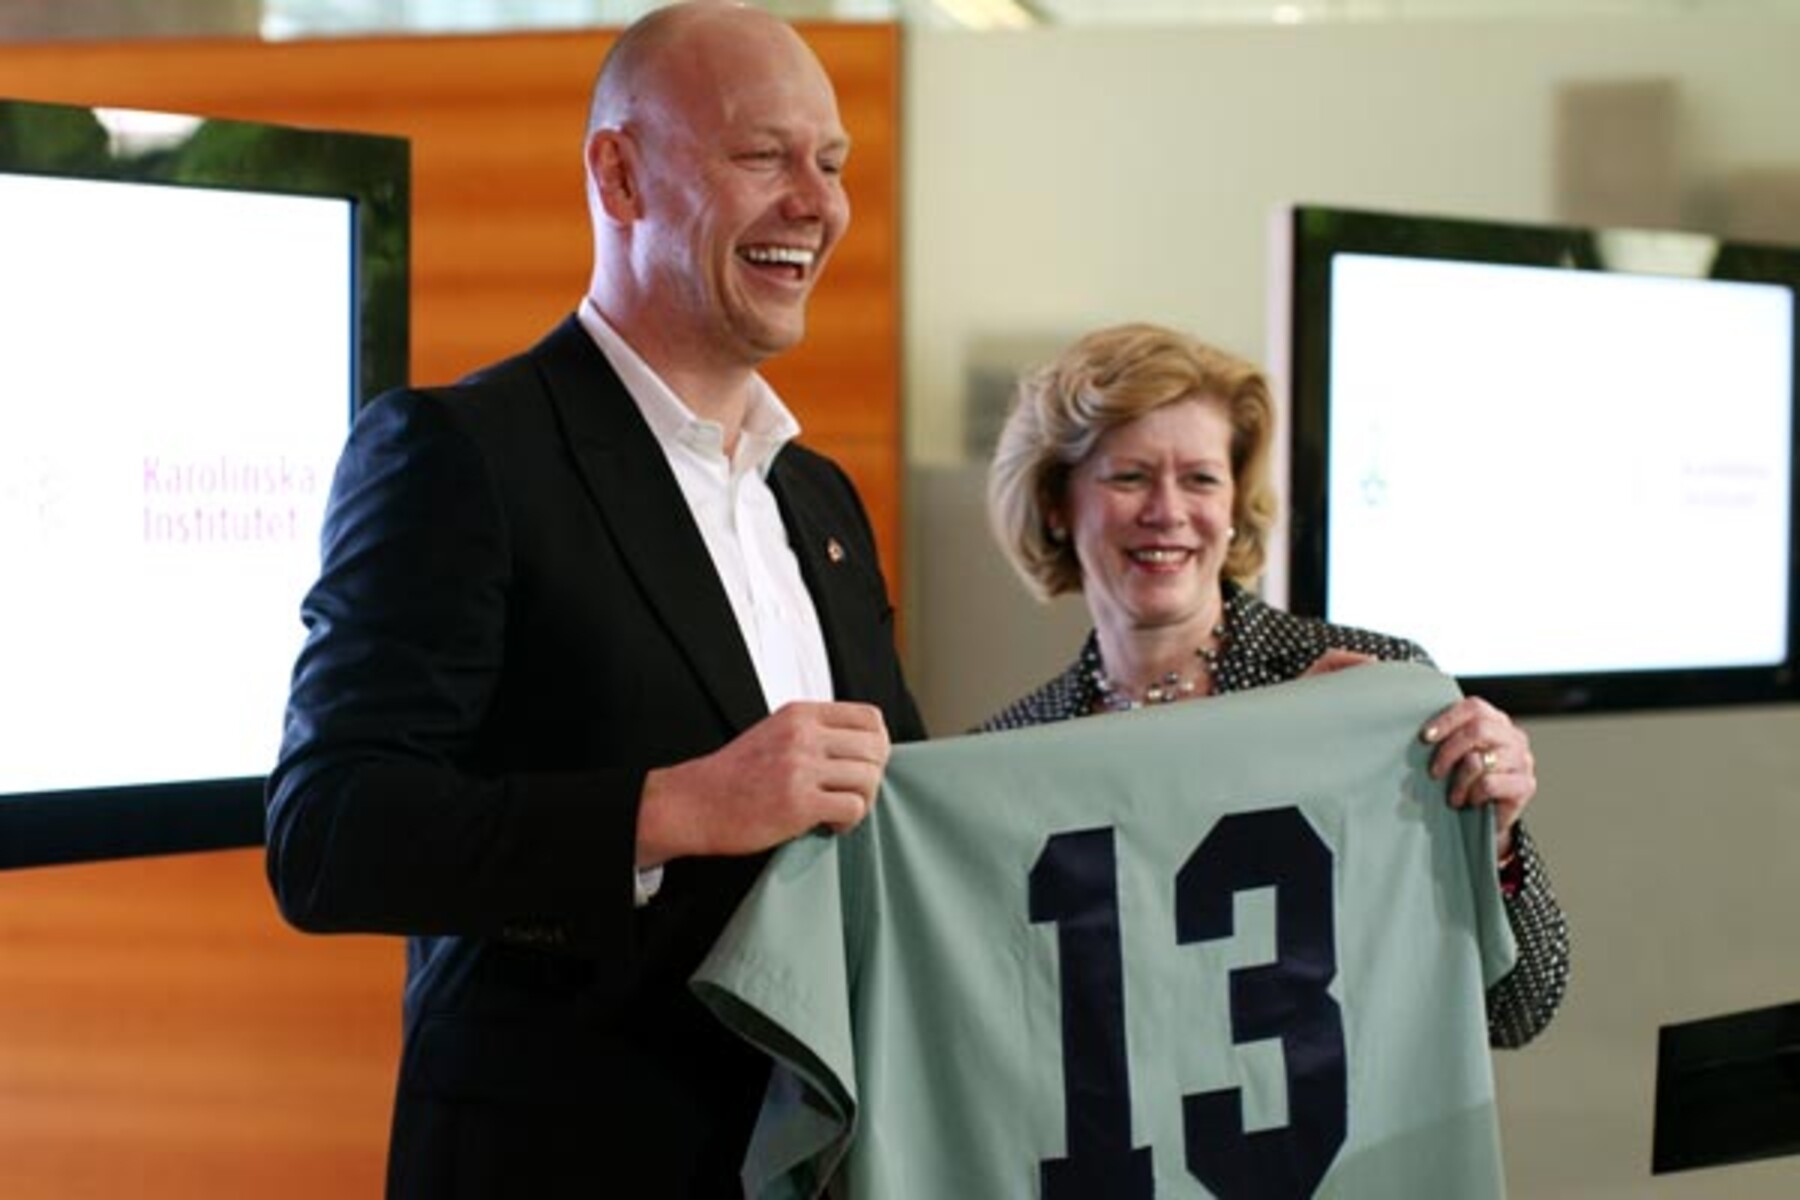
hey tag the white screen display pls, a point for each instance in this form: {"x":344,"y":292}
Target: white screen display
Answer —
{"x":176,"y":385}
{"x":1555,"y":471}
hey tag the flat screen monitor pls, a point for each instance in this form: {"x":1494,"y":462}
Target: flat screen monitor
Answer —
{"x":1561,"y":459}
{"x":192,"y":311}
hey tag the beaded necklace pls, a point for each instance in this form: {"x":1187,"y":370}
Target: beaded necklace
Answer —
{"x":1171,"y":687}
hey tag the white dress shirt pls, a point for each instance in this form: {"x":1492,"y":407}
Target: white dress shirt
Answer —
{"x":740,"y":523}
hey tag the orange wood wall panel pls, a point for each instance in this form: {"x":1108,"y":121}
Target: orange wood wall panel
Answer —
{"x":162,"y":1034}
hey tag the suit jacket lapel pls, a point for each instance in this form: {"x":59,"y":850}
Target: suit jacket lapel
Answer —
{"x":629,"y":479}
{"x":823,"y":551}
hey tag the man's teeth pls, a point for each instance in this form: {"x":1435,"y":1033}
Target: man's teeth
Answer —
{"x":792,"y":256}
{"x":1158,"y":556}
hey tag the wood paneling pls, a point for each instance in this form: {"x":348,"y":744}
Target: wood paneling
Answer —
{"x":162,"y":1034}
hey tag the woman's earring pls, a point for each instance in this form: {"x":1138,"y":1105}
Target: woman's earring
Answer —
{"x":1058,"y":534}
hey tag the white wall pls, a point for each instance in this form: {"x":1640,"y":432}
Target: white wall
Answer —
{"x":1060,"y":180}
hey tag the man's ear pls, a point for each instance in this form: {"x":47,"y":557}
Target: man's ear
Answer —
{"x":612,"y":166}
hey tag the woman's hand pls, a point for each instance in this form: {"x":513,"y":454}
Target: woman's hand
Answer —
{"x":1336,"y":659}
{"x":1487,"y":759}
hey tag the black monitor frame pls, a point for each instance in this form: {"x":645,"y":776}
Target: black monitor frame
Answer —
{"x":373,"y":172}
{"x":1313,"y":236}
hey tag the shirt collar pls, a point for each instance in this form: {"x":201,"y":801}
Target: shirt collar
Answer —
{"x":768,"y":423}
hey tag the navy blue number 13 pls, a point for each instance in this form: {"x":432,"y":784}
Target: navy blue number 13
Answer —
{"x":1075,"y":885}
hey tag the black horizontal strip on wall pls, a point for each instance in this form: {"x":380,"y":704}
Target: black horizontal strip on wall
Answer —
{"x":47,"y":828}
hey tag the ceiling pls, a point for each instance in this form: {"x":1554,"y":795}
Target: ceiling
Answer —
{"x":29,"y":20}
{"x":1003,"y":14}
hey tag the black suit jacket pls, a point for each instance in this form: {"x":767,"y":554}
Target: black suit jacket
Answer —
{"x":516,"y":619}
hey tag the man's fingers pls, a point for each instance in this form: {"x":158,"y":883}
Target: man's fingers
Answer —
{"x":858,"y":776}
{"x":835,"y":714}
{"x":841,"y":812}
{"x":860,"y":747}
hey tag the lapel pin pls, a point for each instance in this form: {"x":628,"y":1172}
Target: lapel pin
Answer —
{"x":834,"y":550}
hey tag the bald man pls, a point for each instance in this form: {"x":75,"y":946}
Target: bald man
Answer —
{"x":592,"y":634}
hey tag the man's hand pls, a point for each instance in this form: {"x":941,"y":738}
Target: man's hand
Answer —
{"x":805,"y":766}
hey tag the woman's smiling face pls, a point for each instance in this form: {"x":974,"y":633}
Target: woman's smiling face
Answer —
{"x":1150,"y":513}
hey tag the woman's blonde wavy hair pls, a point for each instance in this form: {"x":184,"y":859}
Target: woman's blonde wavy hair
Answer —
{"x":1107,"y":379}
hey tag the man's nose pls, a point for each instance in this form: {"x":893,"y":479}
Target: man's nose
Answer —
{"x":812,"y":194}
